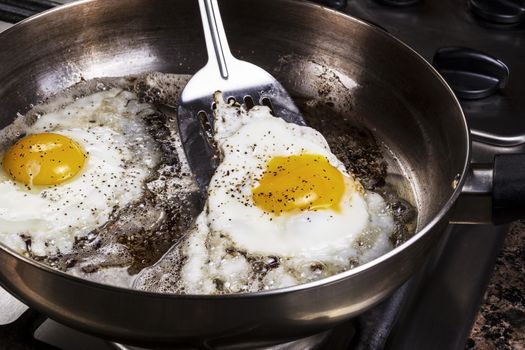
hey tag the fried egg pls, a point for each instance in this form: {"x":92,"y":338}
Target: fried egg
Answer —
{"x":74,"y":168}
{"x":281,"y":210}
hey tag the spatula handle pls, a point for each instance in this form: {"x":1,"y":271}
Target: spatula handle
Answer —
{"x":216,"y":42}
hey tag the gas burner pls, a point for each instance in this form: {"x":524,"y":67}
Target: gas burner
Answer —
{"x":504,"y":12}
{"x":398,"y":3}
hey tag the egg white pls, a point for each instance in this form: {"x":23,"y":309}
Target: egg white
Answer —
{"x":233,"y":235}
{"x":121,"y":155}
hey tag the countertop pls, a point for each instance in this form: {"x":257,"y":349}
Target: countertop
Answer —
{"x":501,"y":321}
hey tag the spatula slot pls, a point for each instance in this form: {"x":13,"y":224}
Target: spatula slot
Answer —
{"x":248,"y":102}
{"x":266,"y":102}
{"x":205,"y":123}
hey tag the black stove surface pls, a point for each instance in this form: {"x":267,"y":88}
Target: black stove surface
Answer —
{"x":435,"y":309}
{"x":431,"y":25}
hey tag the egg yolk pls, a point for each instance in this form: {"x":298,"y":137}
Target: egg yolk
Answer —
{"x":44,"y":159}
{"x":299,"y":182}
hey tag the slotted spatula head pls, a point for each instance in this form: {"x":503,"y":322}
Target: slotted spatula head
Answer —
{"x":239,"y":80}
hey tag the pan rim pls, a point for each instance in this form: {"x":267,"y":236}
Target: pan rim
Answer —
{"x":442,"y":213}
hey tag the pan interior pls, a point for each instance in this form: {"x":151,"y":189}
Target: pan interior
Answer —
{"x":367,"y":84}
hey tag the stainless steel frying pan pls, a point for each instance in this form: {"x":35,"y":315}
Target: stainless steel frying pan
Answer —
{"x":398,"y":95}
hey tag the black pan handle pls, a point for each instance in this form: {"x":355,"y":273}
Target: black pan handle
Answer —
{"x":493,"y":193}
{"x":508,"y":192}
{"x":13,"y":11}
{"x":472,"y":74}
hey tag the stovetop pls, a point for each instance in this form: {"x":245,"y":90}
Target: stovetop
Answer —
{"x":431,"y":25}
{"x":435,"y":309}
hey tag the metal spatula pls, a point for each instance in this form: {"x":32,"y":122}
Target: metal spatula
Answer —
{"x":240,"y":80}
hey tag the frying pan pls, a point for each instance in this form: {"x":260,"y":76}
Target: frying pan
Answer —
{"x":392,"y":91}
